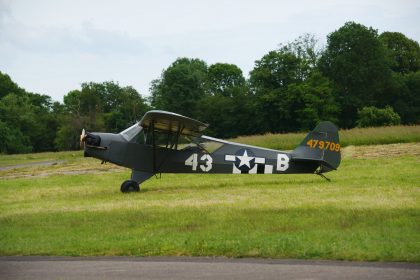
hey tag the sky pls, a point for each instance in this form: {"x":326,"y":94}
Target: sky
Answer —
{"x":52,"y":47}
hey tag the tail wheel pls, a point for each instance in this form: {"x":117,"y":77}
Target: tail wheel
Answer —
{"x":130,"y":186}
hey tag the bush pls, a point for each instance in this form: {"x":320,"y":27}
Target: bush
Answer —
{"x":12,"y":140}
{"x":372,"y":116}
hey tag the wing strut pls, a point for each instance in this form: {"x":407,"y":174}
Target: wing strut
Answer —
{"x":152,"y":126}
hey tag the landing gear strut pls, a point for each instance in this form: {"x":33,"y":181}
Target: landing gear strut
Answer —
{"x":319,"y":172}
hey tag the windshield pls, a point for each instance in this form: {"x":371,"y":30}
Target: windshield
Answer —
{"x":131,"y":132}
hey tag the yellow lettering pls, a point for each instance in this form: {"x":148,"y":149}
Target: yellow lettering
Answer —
{"x":309,"y":143}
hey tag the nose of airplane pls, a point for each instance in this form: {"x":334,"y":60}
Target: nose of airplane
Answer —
{"x":91,"y":140}
{"x":108,"y":147}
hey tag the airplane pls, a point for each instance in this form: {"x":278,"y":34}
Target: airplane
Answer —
{"x":166,"y":142}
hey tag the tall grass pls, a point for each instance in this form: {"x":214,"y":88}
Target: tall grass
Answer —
{"x":355,"y":136}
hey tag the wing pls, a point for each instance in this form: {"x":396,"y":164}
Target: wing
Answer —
{"x":172,"y":122}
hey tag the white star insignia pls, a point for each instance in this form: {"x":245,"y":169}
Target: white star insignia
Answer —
{"x":245,"y":159}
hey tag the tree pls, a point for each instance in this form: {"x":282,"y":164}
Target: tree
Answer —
{"x":29,"y":115}
{"x":312,"y":101}
{"x":224,"y":79}
{"x":98,"y":107}
{"x":82,"y":109}
{"x":404,"y":53}
{"x":269,"y":80}
{"x":281,"y":82}
{"x":408,"y":105}
{"x":12,"y":140}
{"x":181,"y":86}
{"x":306,"y":48}
{"x":227,"y":107}
{"x":7,"y":86}
{"x":402,"y":89}
{"x":357,"y":63}
{"x":124,"y":108}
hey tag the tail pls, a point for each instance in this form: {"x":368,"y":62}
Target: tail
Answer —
{"x":321,"y":145}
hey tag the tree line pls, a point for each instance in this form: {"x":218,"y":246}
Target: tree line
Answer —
{"x":360,"y":78}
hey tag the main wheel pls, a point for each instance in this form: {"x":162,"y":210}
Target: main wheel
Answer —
{"x":130,"y":186}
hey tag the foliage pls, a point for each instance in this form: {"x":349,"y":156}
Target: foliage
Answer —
{"x":180,"y":87}
{"x":372,"y":116}
{"x":228,"y":103}
{"x":224,"y":79}
{"x":312,"y":101}
{"x":407,"y":104}
{"x":269,"y":81}
{"x":27,"y":119}
{"x":7,"y":86}
{"x":403,"y":52}
{"x":306,"y":48}
{"x":12,"y":140}
{"x":291,"y":94}
{"x":98,"y":107}
{"x":357,"y":62}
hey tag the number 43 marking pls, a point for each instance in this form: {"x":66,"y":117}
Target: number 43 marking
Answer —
{"x":192,"y":161}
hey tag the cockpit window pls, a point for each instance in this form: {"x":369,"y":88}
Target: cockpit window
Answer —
{"x":201,"y":144}
{"x":170,"y":140}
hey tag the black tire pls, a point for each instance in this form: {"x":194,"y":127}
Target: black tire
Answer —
{"x":130,"y":186}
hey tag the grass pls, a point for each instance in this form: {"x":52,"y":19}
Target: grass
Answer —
{"x":7,"y":160}
{"x":370,"y":211}
{"x":355,"y":136}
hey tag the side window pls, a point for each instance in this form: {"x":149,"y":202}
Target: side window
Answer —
{"x":199,"y":144}
{"x":141,"y":137}
{"x":165,"y":139}
{"x":171,"y":140}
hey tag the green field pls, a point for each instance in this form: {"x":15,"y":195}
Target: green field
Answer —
{"x":355,"y":136}
{"x":369,"y":211}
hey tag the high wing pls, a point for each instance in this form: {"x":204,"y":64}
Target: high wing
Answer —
{"x":172,"y":122}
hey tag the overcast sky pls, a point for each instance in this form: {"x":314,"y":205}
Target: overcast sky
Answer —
{"x":51,"y":47}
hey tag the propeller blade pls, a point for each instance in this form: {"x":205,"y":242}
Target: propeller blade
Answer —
{"x":82,"y":139}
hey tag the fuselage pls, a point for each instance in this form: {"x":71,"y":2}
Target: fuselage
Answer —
{"x":224,"y":158}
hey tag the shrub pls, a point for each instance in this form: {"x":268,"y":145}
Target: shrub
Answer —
{"x":372,"y":116}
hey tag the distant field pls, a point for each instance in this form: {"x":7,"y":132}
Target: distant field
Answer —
{"x":369,"y":211}
{"x":355,"y":136}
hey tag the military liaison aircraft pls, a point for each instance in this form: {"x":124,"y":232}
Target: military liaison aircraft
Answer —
{"x":165,"y":142}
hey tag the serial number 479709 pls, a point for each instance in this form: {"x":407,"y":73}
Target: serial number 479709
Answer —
{"x":323,"y":145}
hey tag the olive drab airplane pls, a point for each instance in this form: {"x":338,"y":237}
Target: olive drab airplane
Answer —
{"x":165,"y":142}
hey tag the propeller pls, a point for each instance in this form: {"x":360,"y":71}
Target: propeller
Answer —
{"x":83,"y":138}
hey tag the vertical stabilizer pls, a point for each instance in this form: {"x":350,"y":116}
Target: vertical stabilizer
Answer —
{"x":322,"y":145}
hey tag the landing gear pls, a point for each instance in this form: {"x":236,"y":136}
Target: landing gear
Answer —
{"x":130,"y":186}
{"x":318,"y":171}
{"x":133,"y":185}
